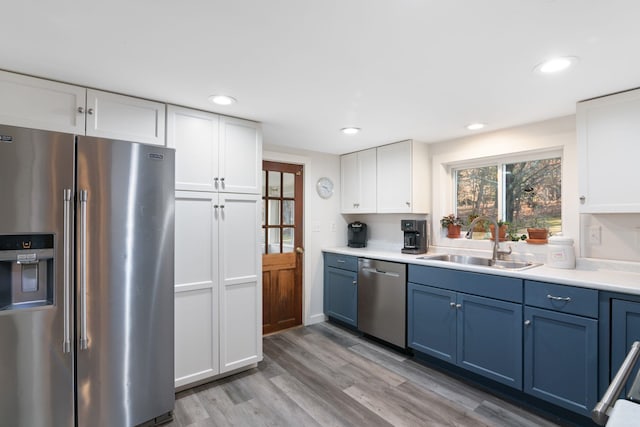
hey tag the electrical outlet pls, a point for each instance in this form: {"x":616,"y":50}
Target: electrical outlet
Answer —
{"x":595,"y":234}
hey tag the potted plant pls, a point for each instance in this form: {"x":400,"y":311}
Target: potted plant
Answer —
{"x":502,"y":230}
{"x":538,"y":232}
{"x":453,"y":224}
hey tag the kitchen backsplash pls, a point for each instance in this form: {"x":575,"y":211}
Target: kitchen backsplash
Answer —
{"x":611,"y":236}
{"x":383,"y":230}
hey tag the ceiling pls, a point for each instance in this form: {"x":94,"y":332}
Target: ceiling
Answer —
{"x":398,"y":69}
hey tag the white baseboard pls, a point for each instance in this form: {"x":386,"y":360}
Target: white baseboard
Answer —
{"x":315,"y":318}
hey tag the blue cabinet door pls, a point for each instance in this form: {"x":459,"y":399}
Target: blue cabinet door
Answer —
{"x":431,"y":321}
{"x":561,"y":359}
{"x":490,"y":338}
{"x":625,"y":329}
{"x":341,"y":295}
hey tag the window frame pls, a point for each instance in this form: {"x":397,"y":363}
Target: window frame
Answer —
{"x":500,"y":161}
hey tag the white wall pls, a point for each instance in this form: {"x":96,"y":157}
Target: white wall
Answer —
{"x":383,"y":230}
{"x":554,"y":134}
{"x":323,"y":224}
{"x":619,"y":236}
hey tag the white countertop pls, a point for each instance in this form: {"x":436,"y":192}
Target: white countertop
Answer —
{"x":614,"y":276}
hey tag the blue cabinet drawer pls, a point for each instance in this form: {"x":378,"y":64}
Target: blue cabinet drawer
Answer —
{"x":345,"y":262}
{"x":486,"y":285}
{"x":566,"y":299}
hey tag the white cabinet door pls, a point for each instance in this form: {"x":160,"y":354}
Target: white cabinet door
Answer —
{"x":41,"y":104}
{"x":240,"y":156}
{"x":240,"y":281}
{"x":358,"y":182}
{"x":196,"y":288}
{"x":403,"y":178}
{"x":349,"y":183}
{"x":394,"y":178}
{"x":608,"y":134}
{"x":194,"y":135}
{"x":368,"y":180}
{"x":123,"y":117}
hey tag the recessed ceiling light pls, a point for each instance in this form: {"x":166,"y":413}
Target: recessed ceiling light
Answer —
{"x":475,"y":126}
{"x":222,"y":99}
{"x":555,"y":65}
{"x":350,"y":131}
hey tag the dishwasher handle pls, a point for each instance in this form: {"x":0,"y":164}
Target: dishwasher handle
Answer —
{"x":377,"y":271}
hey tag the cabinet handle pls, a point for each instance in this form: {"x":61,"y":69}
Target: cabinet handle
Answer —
{"x":527,"y":322}
{"x":408,"y":204}
{"x":221,"y":206}
{"x":80,"y":110}
{"x":354,"y":282}
{"x":90,"y":111}
{"x":582,"y":199}
{"x":341,"y":261}
{"x":452,"y":304}
{"x":458,"y":306}
{"x":551,"y":297}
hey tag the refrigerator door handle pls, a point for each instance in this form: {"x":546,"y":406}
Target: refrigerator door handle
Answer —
{"x":84,"y":342}
{"x":66,"y":343}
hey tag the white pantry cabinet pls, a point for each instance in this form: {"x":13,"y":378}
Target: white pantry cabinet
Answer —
{"x":358,"y":182}
{"x":608,"y":134}
{"x":402,"y":178}
{"x":43,"y":104}
{"x":218,"y":291}
{"x":215,"y":153}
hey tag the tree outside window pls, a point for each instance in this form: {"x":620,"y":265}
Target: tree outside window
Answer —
{"x":526,"y":194}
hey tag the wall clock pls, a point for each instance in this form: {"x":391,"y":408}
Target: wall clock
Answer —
{"x":324,"y":187}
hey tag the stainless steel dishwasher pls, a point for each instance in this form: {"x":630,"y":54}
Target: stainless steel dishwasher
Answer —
{"x":382,"y":300}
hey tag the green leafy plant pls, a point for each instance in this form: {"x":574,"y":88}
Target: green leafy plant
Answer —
{"x":450,"y":219}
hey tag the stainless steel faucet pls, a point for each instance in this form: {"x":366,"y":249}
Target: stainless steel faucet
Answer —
{"x":496,"y":240}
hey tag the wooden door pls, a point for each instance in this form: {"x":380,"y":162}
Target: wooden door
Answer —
{"x":282,"y":251}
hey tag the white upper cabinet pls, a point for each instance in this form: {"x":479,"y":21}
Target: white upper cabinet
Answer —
{"x":123,"y":117}
{"x":194,"y":135}
{"x":41,"y":104}
{"x":240,"y":156}
{"x":608,"y":133}
{"x":215,"y":153}
{"x":358,"y":182}
{"x":403,"y":178}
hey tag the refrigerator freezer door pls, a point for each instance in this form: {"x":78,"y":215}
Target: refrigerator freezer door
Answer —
{"x":125,"y":240}
{"x":36,"y":370}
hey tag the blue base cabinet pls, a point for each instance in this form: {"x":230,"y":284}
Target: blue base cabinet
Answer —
{"x":561,"y":345}
{"x":490,"y":338}
{"x":625,"y":329}
{"x":561,"y":362}
{"x":477,"y":333}
{"x":341,"y":288}
{"x":432,"y":306}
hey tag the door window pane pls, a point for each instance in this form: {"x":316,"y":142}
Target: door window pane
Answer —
{"x":287,"y":240}
{"x":264,"y":182}
{"x":274,"y":184}
{"x":273,"y":241}
{"x":288,"y":185}
{"x":288,"y":212}
{"x":274,"y":212}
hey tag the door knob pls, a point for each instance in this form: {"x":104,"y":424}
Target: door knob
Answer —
{"x":299,"y":250}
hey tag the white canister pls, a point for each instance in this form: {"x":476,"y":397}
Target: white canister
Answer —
{"x":560,"y":252}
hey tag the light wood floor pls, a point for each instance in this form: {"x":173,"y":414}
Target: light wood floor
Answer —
{"x":323,"y":375}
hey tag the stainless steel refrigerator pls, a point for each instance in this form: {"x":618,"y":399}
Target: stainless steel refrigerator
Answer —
{"x":86,"y":280}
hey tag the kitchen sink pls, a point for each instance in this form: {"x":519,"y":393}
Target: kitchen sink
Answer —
{"x":487,"y":262}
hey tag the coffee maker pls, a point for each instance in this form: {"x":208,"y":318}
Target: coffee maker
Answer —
{"x":357,"y":235}
{"x":415,"y":236}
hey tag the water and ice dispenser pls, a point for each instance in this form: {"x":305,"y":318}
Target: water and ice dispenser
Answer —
{"x":26,"y":270}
